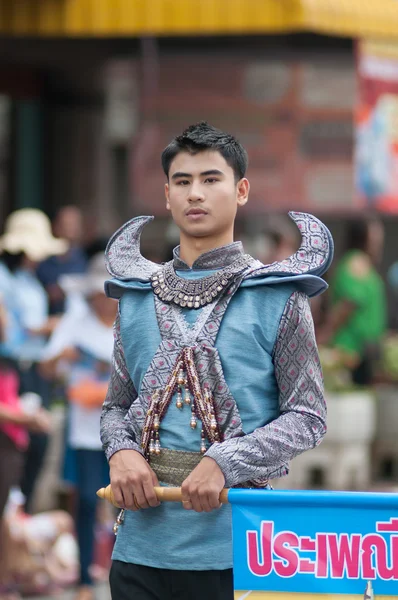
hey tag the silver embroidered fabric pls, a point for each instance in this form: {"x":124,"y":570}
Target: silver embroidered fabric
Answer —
{"x":176,"y":334}
{"x":266,"y":453}
{"x":188,"y":334}
{"x":314,"y":255}
{"x":123,"y":256}
{"x":261,"y":455}
{"x":222,"y":256}
{"x":123,"y":414}
{"x":124,"y":260}
{"x":116,"y":432}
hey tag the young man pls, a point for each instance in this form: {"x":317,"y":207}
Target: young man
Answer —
{"x":216,"y":379}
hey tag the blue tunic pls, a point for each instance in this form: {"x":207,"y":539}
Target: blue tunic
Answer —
{"x":168,"y":536}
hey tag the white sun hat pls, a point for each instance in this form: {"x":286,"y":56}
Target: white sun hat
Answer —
{"x":28,"y":230}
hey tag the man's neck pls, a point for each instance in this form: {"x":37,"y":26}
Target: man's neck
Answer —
{"x":192,"y":248}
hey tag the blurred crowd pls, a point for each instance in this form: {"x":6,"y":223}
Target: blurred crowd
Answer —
{"x":56,"y":346}
{"x":55,"y":342}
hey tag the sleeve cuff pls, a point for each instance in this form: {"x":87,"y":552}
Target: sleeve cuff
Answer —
{"x":122,"y":444}
{"x":216,"y":453}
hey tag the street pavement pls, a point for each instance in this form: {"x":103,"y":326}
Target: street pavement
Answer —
{"x":102,"y":593}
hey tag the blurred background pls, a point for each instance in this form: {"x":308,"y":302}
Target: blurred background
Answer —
{"x":90,"y":94}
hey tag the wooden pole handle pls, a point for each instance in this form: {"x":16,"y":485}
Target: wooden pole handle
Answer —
{"x":164,"y":494}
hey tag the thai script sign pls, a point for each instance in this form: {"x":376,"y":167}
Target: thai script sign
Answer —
{"x":315,"y":542}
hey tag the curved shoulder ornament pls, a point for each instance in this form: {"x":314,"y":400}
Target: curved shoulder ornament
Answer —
{"x":123,"y":256}
{"x":312,"y":258}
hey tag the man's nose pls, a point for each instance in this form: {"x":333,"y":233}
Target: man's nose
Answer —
{"x":196,"y":193}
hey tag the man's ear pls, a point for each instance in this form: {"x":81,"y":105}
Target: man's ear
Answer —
{"x":166,"y":193}
{"x":243,"y":189}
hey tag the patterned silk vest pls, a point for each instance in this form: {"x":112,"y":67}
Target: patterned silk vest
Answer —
{"x":181,"y":343}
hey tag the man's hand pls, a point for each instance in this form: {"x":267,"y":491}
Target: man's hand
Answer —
{"x":201,"y":489}
{"x":132,"y":479}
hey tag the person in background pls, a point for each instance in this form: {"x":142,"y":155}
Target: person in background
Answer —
{"x":285,"y":240}
{"x":26,"y":241}
{"x":68,"y":224}
{"x":14,"y":426}
{"x":356,"y":321}
{"x":81,"y":350}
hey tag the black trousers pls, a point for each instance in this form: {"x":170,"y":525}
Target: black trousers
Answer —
{"x":137,"y":582}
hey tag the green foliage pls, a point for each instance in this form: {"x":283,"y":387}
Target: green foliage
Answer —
{"x":389,"y":357}
{"x":337,"y":377}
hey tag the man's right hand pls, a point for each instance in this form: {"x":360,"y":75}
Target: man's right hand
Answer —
{"x":132,"y":477}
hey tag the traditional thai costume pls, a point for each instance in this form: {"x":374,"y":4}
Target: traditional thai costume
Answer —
{"x":219,"y":360}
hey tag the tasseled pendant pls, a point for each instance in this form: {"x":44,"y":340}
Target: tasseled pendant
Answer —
{"x":187,"y":397}
{"x":119,"y":521}
{"x":203,"y":448}
{"x":157,"y":444}
{"x":213,"y":422}
{"x":181,"y":377}
{"x":152,"y":445}
{"x":156,"y":422}
{"x":179,"y":403}
{"x":194,"y":420}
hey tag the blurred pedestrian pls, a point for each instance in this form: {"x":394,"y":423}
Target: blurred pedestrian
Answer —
{"x":14,"y":426}
{"x":27,"y":240}
{"x":356,"y":321}
{"x":81,"y":349}
{"x":68,"y":225}
{"x":285,"y":240}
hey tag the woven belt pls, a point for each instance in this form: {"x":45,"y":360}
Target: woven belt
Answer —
{"x":174,"y":466}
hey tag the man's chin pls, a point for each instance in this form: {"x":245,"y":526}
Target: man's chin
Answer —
{"x":198,"y":233}
{"x":197,"y":230}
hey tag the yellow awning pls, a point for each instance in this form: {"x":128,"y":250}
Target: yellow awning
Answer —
{"x":353,"y":18}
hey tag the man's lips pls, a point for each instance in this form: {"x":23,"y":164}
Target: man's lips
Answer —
{"x":196,"y":211}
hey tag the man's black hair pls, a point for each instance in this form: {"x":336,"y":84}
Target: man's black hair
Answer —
{"x":201,"y":137}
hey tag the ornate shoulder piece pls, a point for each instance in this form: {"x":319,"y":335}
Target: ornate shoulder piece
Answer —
{"x":312,"y":258}
{"x":123,"y":256}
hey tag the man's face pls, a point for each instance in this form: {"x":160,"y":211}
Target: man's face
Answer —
{"x":202,"y":194}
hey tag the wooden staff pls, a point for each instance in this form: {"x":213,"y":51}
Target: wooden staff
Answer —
{"x":164,"y":494}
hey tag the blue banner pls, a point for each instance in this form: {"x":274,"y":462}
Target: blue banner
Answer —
{"x":308,"y":542}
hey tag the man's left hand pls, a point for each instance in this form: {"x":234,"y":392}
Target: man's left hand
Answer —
{"x":201,"y":489}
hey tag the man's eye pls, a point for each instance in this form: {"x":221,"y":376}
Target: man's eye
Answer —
{"x":211,"y":180}
{"x":183,"y":182}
